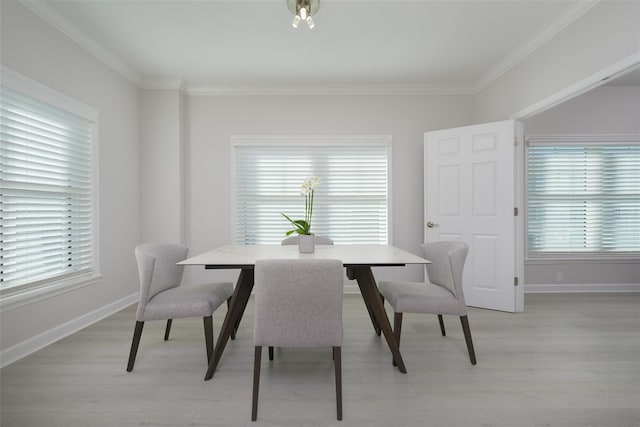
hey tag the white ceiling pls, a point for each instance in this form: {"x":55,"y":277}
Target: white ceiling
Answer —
{"x":459,"y":46}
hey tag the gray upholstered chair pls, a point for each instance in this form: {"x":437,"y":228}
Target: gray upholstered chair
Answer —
{"x":162,"y":297}
{"x":441,"y":294}
{"x":298,"y":303}
{"x":320,"y":240}
{"x":293,"y":240}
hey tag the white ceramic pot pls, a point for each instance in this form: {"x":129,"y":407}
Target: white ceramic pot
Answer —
{"x":307,"y":243}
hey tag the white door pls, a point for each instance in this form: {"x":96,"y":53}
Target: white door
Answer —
{"x":471,"y":190}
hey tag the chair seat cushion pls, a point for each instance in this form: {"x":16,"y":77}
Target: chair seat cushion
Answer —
{"x":187,"y":301}
{"x":414,"y":297}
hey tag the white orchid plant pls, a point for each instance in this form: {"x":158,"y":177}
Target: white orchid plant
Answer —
{"x":307,"y":189}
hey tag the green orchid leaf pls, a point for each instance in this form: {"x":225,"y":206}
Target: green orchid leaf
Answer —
{"x":289,"y":219}
{"x":303,"y":226}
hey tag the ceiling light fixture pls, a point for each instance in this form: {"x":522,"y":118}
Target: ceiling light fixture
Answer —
{"x":303,"y":9}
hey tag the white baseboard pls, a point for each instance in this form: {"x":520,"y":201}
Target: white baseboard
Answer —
{"x":42,"y":340}
{"x":581,"y":287}
{"x":351,"y":288}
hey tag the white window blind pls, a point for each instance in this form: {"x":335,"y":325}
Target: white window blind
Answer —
{"x":351,"y":206}
{"x":583,"y":195}
{"x":46,"y":230}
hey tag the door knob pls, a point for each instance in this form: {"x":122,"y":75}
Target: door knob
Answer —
{"x":430,"y":224}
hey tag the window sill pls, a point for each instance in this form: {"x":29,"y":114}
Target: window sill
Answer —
{"x":583,"y":260}
{"x":20,"y":298}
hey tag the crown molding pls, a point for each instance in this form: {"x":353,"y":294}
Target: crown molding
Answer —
{"x":532,"y":44}
{"x":335,"y":90}
{"x":57,"y":20}
{"x":176,"y":83}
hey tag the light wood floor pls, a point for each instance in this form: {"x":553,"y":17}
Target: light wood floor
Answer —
{"x":569,"y":360}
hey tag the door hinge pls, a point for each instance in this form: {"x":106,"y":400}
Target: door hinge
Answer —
{"x":515,"y":211}
{"x":515,"y":281}
{"x":515,"y":141}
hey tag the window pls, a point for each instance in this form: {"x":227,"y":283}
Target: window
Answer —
{"x":351,"y":205}
{"x":583,"y":195}
{"x":46,"y":187}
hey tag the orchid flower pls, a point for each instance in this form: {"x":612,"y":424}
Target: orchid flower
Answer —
{"x":307,"y":189}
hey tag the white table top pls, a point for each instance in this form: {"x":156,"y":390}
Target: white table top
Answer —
{"x":246,"y":255}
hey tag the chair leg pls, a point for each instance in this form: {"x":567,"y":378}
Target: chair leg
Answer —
{"x":270,"y":352}
{"x":397,"y":330}
{"x":256,"y":382}
{"x":337,"y":361}
{"x":235,"y":327}
{"x":467,"y":337}
{"x":208,"y":335}
{"x":444,"y":334}
{"x":137,"y":332}
{"x":167,"y":330}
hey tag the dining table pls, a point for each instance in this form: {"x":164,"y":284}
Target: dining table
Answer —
{"x":358,"y":259}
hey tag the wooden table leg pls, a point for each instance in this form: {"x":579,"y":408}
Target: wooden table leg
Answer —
{"x":374,"y":322}
{"x":367,"y":283}
{"x":239,"y":301}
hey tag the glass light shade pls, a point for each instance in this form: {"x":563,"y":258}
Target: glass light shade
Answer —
{"x":312,"y":6}
{"x":302,"y":10}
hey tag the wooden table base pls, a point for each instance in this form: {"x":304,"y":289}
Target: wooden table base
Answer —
{"x":362,"y":274}
{"x":369,"y":289}
{"x":239,"y":301}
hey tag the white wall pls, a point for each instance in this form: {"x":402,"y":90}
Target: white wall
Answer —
{"x":605,"y":110}
{"x":606,"y":34}
{"x":162,"y":144}
{"x":212,"y":121}
{"x":36,"y":50}
{"x":196,"y":209}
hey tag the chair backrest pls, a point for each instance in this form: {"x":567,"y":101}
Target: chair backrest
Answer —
{"x":320,"y":240}
{"x":157,"y":269}
{"x":298,"y":303}
{"x":447,"y":264}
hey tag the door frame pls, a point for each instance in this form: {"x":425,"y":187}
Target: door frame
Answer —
{"x":518,"y":235}
{"x":578,"y":88}
{"x":599,"y":78}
